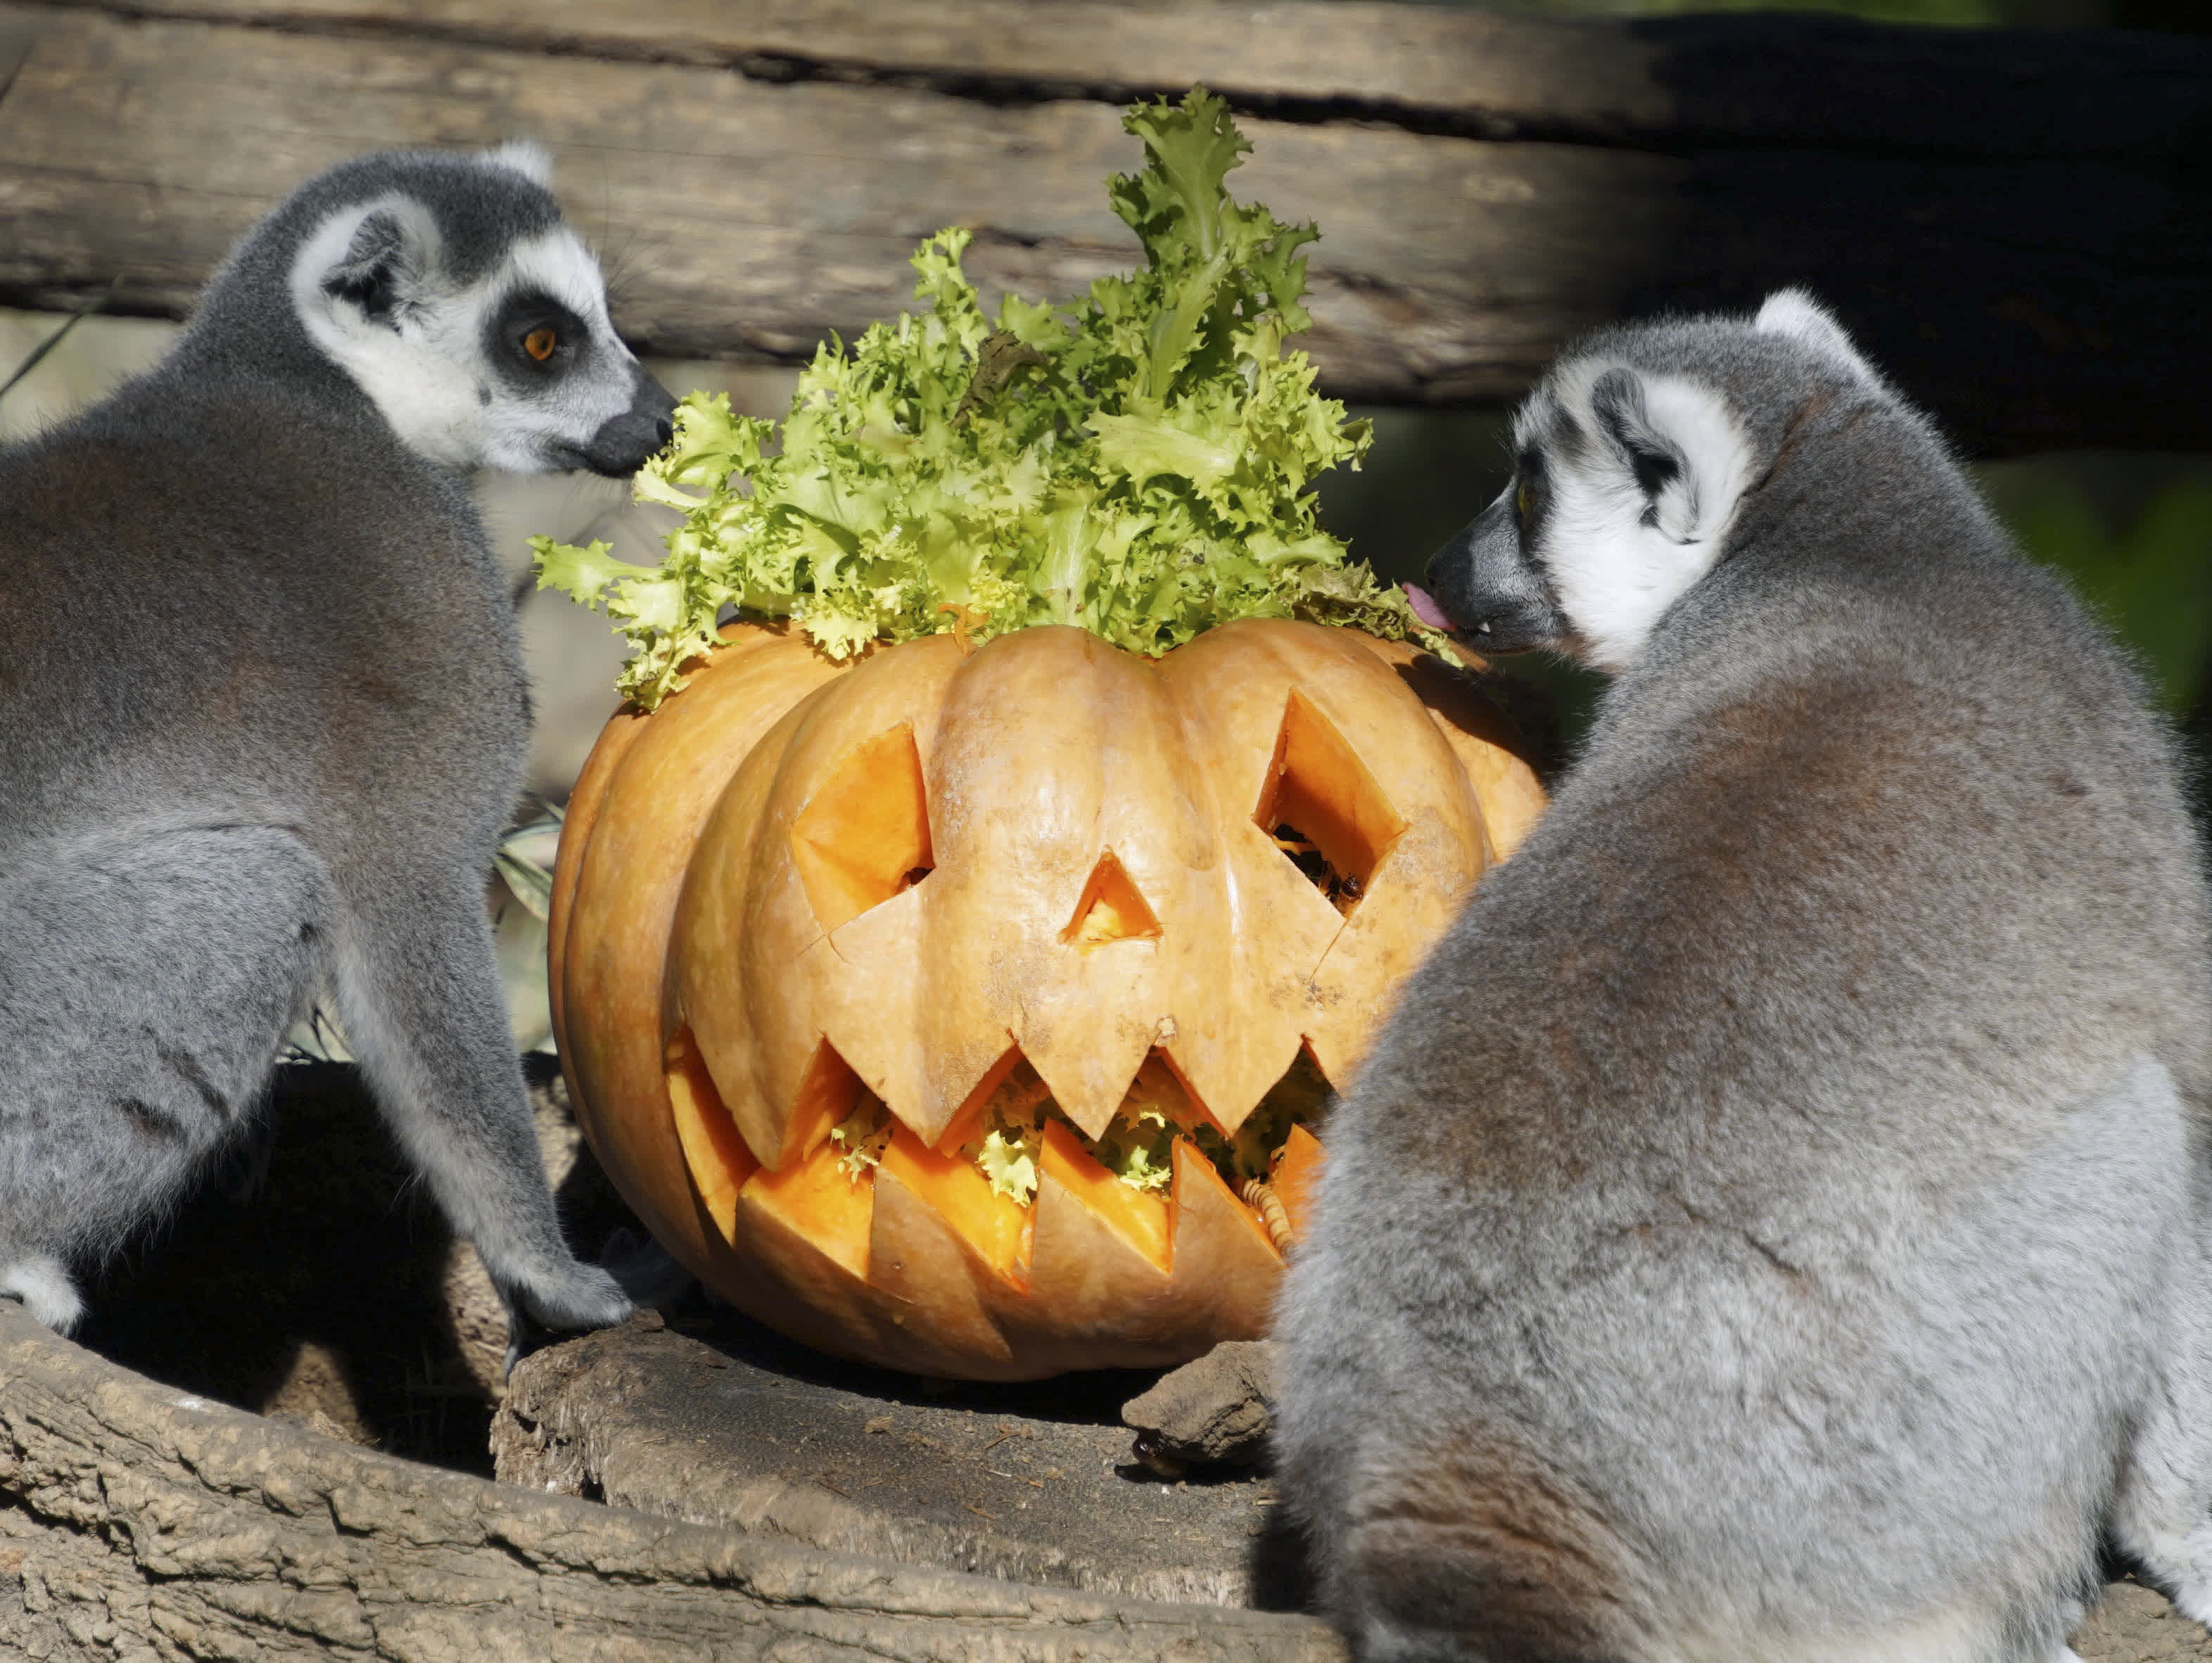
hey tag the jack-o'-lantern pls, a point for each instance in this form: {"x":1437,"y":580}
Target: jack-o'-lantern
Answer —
{"x":834,"y":948}
{"x":967,"y":1007}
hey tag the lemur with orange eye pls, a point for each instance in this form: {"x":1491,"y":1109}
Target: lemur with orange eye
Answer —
{"x":262,"y":713}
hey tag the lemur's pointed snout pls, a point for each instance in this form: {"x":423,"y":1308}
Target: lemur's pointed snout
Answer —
{"x":1483,"y":583}
{"x":623,"y":442}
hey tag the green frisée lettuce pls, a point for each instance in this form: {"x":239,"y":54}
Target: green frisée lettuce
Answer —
{"x":1139,"y":462}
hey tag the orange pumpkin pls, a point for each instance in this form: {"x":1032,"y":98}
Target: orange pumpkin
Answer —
{"x":801,"y":893}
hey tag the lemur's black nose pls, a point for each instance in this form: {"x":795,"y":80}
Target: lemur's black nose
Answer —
{"x":623,"y":442}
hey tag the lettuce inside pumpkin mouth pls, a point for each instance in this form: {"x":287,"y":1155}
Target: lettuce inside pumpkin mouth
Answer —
{"x":1157,"y":1160}
{"x":1004,"y":1139}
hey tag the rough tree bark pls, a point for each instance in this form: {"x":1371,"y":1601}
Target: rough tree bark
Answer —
{"x":138,"y":1523}
{"x":2016,"y":224}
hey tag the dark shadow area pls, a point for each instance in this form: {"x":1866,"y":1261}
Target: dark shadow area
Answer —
{"x":1282,"y":1572}
{"x":1094,"y":1398}
{"x":325,"y":1284}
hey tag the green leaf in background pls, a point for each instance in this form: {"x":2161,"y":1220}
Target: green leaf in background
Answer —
{"x":1138,"y":461}
{"x":2150,"y":580}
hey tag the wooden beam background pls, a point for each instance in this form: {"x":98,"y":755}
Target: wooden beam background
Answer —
{"x":2016,"y":224}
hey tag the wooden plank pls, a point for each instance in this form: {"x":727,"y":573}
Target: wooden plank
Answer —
{"x":751,"y":217}
{"x":2029,"y":257}
{"x":1409,"y":57}
{"x":1824,"y":80}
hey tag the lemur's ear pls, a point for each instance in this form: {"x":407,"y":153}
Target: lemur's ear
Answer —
{"x":387,"y":258}
{"x":524,"y":156}
{"x":1618,"y":402}
{"x":1794,"y":312}
{"x":1681,"y":449}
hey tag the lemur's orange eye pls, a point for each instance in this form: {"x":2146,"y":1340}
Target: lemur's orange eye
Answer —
{"x":539,"y":343}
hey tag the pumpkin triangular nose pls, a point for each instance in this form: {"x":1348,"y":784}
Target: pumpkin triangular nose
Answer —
{"x":1111,"y":908}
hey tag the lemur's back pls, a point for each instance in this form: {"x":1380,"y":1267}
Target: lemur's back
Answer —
{"x":295,"y":616}
{"x":1773,"y":1223}
{"x":1814,"y":827}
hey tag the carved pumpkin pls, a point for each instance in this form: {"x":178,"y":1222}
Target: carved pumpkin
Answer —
{"x":799,"y":890}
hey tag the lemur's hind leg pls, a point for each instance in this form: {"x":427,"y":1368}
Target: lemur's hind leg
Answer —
{"x":418,"y":993}
{"x":147,"y":979}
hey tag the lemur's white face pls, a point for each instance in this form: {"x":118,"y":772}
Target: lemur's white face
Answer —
{"x":1633,"y":481}
{"x":519,"y":368}
{"x":1626,"y":483}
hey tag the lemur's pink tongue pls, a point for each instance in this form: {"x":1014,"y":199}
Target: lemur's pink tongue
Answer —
{"x":1426,"y":609}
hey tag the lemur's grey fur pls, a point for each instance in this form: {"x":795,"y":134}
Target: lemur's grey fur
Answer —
{"x":1773,"y":1224}
{"x":263,"y":712}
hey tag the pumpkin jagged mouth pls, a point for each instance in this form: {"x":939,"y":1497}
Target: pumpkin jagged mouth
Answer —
{"x":986,"y":1178}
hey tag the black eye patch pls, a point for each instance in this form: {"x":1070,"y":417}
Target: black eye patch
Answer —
{"x":1531,"y":492}
{"x":530,"y":336}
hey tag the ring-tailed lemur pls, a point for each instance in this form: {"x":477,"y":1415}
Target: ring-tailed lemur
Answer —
{"x":263,"y":712}
{"x":1773,"y":1224}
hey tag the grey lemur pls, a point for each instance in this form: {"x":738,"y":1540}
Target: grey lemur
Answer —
{"x":1771,"y":1228}
{"x":263,"y":712}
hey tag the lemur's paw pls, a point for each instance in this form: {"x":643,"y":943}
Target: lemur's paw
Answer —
{"x":571,"y":1297}
{"x":44,"y":1286}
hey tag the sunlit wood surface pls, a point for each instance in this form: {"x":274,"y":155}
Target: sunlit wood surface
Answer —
{"x":2015,"y":223}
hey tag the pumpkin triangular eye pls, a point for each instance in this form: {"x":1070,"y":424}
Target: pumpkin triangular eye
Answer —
{"x":864,"y":835}
{"x":1111,"y":909}
{"x":1323,"y":808}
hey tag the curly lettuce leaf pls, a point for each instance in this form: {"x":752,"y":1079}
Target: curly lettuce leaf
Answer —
{"x":1010,"y":1164}
{"x":862,"y":1137}
{"x":1139,"y":1149}
{"x":1138,"y":462}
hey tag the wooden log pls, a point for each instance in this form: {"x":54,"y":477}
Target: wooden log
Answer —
{"x":2012,"y":223}
{"x":140,"y":1522}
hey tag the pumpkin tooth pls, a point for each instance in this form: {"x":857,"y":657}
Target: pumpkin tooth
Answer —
{"x":994,"y":1226}
{"x":1089,"y":1074}
{"x":1223,"y":1257}
{"x":829,"y":1092}
{"x":1239,"y":1080}
{"x":822,"y":1202}
{"x":871,"y":1022}
{"x":1092,"y":1228}
{"x":719,"y":1161}
{"x":956,"y":1129}
{"x":923,"y":1259}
